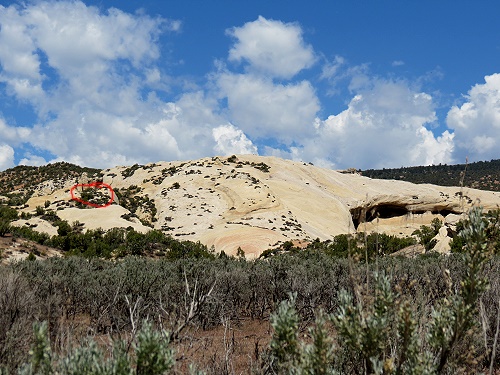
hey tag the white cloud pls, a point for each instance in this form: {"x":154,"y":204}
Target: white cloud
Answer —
{"x":32,"y":160}
{"x":95,"y":67}
{"x":6,"y":157}
{"x":13,"y":135}
{"x":384,"y":126}
{"x":398,"y":63}
{"x":20,"y":65}
{"x":174,"y":131}
{"x":271,"y":47}
{"x":231,"y":140}
{"x":477,"y":122}
{"x":330,"y":70}
{"x":76,"y":36}
{"x":95,"y":82}
{"x":263,"y":109}
{"x":76,"y":41}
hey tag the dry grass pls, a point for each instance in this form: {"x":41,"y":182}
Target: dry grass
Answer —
{"x":228,"y":348}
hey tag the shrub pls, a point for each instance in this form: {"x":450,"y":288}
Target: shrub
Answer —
{"x":402,"y":324}
{"x":63,"y":228}
{"x":426,"y":234}
{"x":151,"y":348}
{"x":152,"y":351}
{"x":285,"y":349}
{"x":8,"y":213}
{"x":4,"y":227}
{"x":40,"y":210}
{"x":491,"y":222}
{"x":377,"y":332}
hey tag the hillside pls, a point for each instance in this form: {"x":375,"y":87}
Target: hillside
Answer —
{"x":18,"y":183}
{"x":484,"y":175}
{"x":248,"y":202}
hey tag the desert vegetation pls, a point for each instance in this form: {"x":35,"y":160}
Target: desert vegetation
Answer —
{"x":124,"y":302}
{"x":260,"y":166}
{"x":316,"y":311}
{"x":24,"y":179}
{"x":483,"y":175}
{"x":140,"y":206}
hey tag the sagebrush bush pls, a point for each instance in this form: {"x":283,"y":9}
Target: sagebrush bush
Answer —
{"x":376,"y":331}
{"x":394,"y":309}
{"x":151,"y":354}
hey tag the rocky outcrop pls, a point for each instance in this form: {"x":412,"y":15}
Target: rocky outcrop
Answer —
{"x":256,"y":202}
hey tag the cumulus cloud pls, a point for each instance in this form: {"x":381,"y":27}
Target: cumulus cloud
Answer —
{"x":175,"y":131}
{"x":384,"y":126}
{"x":20,"y":66}
{"x":271,"y":47}
{"x":32,"y":160}
{"x":231,"y":140}
{"x":86,"y":72}
{"x":477,"y":122}
{"x":77,"y":42}
{"x":6,"y":157}
{"x":96,"y":83}
{"x":12,"y":134}
{"x":263,"y":109}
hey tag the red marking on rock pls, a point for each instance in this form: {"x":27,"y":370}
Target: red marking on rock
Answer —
{"x":97,"y":185}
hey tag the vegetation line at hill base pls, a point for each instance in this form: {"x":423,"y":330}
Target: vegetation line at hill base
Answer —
{"x":120,"y":242}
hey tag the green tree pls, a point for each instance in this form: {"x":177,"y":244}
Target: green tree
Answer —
{"x":426,"y":234}
{"x":63,"y":228}
{"x":8,"y":213}
{"x":4,"y":227}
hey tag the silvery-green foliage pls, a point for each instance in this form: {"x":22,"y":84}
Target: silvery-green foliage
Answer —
{"x":151,"y":352}
{"x":154,"y":356}
{"x":318,"y":356}
{"x":364,"y":328}
{"x":376,"y":330}
{"x":40,"y":353}
{"x":86,"y":359}
{"x":119,"y":363}
{"x":288,"y":354}
{"x":454,"y":317}
{"x":411,"y":358}
{"x":285,"y":349}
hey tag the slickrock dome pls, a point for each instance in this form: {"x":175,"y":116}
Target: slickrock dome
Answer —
{"x":256,"y":202}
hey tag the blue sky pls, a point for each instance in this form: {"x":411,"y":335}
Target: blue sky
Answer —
{"x":364,"y":84}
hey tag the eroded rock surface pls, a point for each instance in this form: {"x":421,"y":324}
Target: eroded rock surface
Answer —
{"x":256,"y":202}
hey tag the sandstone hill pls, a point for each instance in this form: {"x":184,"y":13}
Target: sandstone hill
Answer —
{"x":246,"y":201}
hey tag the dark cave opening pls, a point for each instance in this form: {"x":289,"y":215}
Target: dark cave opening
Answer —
{"x":390,"y":210}
{"x":386,"y":212}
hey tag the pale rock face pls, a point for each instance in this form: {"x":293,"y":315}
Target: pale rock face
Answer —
{"x":453,"y":219}
{"x":443,"y":241}
{"x":256,"y":202}
{"x":106,"y":218}
{"x":37,"y":224}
